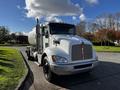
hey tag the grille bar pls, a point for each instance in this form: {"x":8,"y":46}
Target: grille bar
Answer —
{"x":81,"y":52}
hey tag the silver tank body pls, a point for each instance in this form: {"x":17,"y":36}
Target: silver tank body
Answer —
{"x":32,"y":37}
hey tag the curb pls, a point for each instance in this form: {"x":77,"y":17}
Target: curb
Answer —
{"x":108,"y":51}
{"x":21,"y":84}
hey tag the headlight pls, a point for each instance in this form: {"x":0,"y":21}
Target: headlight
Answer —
{"x":59,"y":59}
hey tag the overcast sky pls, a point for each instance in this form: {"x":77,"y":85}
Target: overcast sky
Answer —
{"x":19,"y":15}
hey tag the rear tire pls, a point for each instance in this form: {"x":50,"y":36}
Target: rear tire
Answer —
{"x":48,"y":74}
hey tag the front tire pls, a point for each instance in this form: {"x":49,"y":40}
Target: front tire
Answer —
{"x":48,"y":74}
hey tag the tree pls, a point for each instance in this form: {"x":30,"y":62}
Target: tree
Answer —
{"x":117,"y":21}
{"x":4,"y":34}
{"x":111,"y":35}
{"x":13,"y":38}
{"x":101,"y":35}
{"x":106,"y":28}
{"x":118,"y":36}
{"x":81,"y":28}
{"x":89,"y":36}
{"x":92,"y":27}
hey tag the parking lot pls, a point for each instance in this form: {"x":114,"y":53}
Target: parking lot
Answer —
{"x":104,"y":77}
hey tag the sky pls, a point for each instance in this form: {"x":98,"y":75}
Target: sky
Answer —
{"x":19,"y":15}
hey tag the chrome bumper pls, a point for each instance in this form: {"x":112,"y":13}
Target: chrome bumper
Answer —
{"x":73,"y":68}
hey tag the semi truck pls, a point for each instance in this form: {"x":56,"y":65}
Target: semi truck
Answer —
{"x":57,"y":48}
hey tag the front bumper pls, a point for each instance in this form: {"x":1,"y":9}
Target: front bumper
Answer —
{"x":73,"y":68}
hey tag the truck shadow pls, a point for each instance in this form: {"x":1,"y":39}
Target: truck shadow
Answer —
{"x":27,"y":82}
{"x":100,"y":73}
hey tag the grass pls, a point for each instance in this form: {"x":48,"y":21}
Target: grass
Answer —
{"x":107,"y":49}
{"x":12,"y":68}
{"x":14,"y":44}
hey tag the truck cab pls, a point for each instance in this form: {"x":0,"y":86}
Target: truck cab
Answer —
{"x":60,"y":51}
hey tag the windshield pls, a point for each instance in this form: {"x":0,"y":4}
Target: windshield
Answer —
{"x":59,"y":28}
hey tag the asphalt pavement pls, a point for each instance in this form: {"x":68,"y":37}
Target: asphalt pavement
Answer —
{"x":104,"y":77}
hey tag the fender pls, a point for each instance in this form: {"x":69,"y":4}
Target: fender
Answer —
{"x":55,"y":51}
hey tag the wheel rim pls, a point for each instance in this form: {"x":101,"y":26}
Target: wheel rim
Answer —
{"x":46,"y":69}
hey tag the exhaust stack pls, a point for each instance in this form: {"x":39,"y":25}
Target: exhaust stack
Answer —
{"x":38,"y":36}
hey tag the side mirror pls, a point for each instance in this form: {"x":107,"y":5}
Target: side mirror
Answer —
{"x":56,"y":42}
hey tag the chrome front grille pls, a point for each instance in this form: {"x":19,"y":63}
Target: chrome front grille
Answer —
{"x":81,"y":52}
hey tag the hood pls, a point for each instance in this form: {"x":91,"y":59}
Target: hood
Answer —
{"x":66,"y":41}
{"x":72,"y":39}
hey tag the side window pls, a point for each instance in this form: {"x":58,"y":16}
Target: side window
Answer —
{"x":43,"y":31}
{"x":46,"y":37}
{"x":46,"y":34}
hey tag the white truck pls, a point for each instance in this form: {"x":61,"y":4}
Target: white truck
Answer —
{"x":57,"y":48}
